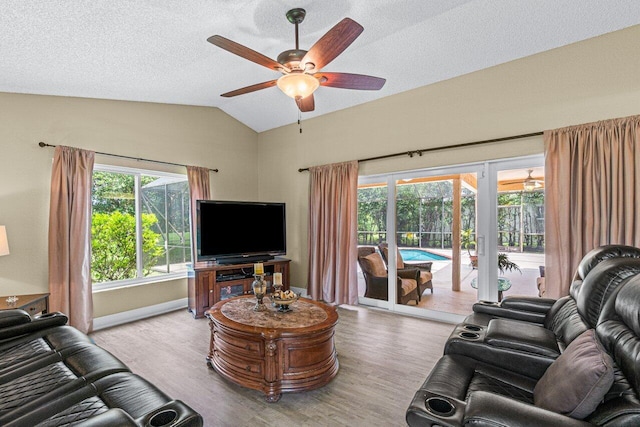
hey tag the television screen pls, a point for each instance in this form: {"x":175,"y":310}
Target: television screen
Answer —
{"x":234,"y":232}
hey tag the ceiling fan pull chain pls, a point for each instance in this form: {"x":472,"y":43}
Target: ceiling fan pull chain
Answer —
{"x":300,"y":120}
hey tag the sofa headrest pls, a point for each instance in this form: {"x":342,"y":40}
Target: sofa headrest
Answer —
{"x":619,"y":332}
{"x":596,"y":255}
{"x":600,"y":284}
{"x":574,"y":290}
{"x":627,"y":304}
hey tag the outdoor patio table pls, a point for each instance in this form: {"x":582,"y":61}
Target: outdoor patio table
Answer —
{"x":504,"y":284}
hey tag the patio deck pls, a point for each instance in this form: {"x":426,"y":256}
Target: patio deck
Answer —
{"x":461,"y":302}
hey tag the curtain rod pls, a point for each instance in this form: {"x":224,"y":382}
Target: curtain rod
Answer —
{"x":43,"y":144}
{"x":446,"y":147}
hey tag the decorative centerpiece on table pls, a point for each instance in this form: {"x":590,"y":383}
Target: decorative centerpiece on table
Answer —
{"x":283,"y":300}
{"x":259,"y":286}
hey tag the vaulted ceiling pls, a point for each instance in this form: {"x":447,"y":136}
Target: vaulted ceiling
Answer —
{"x":157,"y":50}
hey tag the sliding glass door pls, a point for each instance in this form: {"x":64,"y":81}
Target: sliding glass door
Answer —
{"x":513,"y":238}
{"x":372,"y":230}
{"x":453,"y":225}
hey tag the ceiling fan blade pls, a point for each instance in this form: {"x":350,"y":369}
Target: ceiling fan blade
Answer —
{"x":350,"y":81}
{"x":333,"y":43}
{"x":250,"y":89}
{"x":306,"y":104}
{"x":245,"y":52}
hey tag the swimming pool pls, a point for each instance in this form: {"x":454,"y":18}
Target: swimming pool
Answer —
{"x":421,"y":255}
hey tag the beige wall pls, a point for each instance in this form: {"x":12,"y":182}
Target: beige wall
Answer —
{"x":133,"y":297}
{"x":179,"y":134}
{"x":588,"y":81}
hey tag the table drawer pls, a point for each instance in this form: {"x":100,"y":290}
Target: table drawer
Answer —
{"x":233,"y":344}
{"x":36,"y":307}
{"x":245,"y":367}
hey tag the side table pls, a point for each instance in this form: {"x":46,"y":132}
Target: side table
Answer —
{"x":32,"y":304}
{"x":504,"y":284}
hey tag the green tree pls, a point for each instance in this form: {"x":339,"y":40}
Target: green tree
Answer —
{"x":372,"y":214}
{"x":113,"y":246}
{"x":115,"y":191}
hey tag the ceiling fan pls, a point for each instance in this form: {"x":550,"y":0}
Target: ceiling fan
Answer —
{"x":529,"y":183}
{"x":300,"y":69}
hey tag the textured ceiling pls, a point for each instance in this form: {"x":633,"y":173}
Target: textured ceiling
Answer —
{"x":156,"y":50}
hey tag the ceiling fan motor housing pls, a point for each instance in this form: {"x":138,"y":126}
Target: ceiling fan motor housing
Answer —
{"x":291,"y":58}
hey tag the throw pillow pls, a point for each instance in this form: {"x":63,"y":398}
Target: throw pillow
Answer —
{"x":577,"y":381}
{"x":399,"y":260}
{"x":375,"y":264}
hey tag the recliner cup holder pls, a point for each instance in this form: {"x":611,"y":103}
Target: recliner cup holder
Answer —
{"x":163,"y":418}
{"x":473,"y":328}
{"x":440,"y":406}
{"x":469,"y":335}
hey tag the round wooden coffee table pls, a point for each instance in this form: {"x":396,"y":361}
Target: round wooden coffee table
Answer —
{"x":271,"y":351}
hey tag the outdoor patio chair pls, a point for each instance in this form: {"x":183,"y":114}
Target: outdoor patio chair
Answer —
{"x":375,"y":276}
{"x":424,"y":280}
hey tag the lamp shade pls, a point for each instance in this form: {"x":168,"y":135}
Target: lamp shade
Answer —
{"x":4,"y":244}
{"x":298,"y":85}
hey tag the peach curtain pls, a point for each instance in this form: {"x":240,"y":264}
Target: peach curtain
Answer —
{"x":333,"y":239}
{"x":592,"y":192}
{"x":199,"y":189}
{"x":70,"y":236}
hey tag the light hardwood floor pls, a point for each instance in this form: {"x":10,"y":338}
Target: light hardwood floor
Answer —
{"x":384,"y":358}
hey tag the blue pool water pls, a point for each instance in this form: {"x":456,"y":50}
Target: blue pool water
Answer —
{"x":420,"y":255}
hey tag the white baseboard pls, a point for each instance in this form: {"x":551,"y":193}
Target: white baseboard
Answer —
{"x":137,"y":314}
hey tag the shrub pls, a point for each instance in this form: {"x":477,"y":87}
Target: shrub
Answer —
{"x":113,"y":246}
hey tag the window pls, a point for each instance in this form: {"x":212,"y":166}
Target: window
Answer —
{"x":140,"y":226}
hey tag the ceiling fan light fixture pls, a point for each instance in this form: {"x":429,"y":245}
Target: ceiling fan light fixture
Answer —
{"x":529,"y":184}
{"x":298,"y":85}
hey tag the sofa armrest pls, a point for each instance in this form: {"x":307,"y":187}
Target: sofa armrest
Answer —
{"x":13,"y":317}
{"x":488,"y":409}
{"x":34,"y":324}
{"x":113,"y":417}
{"x":528,"y":309}
{"x":534,"y":304}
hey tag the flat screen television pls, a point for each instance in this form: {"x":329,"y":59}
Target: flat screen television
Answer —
{"x":236,"y":232}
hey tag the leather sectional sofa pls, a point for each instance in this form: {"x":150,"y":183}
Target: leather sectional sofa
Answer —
{"x":577,"y":364}
{"x":53,"y":375}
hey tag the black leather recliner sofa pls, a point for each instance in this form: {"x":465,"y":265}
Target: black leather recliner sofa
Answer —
{"x":53,"y":375}
{"x":464,"y":389}
{"x":529,"y":348}
{"x":542,"y":310}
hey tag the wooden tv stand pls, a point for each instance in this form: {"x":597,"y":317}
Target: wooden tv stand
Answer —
{"x":209,"y":283}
